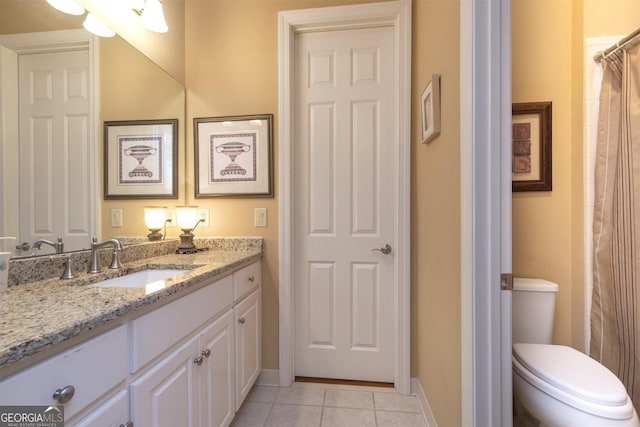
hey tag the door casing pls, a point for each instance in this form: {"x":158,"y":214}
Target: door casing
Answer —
{"x":398,"y":15}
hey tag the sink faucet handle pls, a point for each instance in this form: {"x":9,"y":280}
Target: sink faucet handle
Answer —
{"x":69,"y":272}
{"x":115,"y":260}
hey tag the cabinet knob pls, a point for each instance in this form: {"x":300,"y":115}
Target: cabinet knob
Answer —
{"x":198,"y":360}
{"x":206,"y":352}
{"x":241,"y":320}
{"x":64,"y":394}
{"x":252,"y":279}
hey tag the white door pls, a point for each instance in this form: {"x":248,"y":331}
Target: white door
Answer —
{"x":344,"y":204}
{"x":55,"y":168}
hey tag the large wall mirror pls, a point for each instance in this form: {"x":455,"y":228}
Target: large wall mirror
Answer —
{"x":55,"y":96}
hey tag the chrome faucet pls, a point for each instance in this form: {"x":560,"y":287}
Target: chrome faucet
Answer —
{"x":58,"y":245}
{"x":94,"y":266}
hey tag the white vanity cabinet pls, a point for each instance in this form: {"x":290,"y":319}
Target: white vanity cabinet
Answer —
{"x":194,"y":382}
{"x":190,"y":362}
{"x":247,"y":297}
{"x":248,"y":337}
{"x":90,"y":374}
{"x":112,"y":413}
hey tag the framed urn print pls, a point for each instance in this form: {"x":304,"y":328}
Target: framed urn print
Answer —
{"x":141,"y":159}
{"x":531,"y":146}
{"x":233,"y":156}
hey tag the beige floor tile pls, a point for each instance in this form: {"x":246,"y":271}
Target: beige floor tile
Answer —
{"x":348,"y":417}
{"x":395,"y":402}
{"x":400,"y":419}
{"x":348,"y":399}
{"x":251,"y":414}
{"x":261,"y":393}
{"x":294,"y":416}
{"x":301,"y":396}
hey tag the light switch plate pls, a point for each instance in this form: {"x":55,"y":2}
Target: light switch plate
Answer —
{"x":116,"y":218}
{"x":260,"y":219}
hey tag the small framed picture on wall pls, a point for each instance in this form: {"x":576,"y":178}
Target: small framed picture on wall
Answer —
{"x":531,"y":146}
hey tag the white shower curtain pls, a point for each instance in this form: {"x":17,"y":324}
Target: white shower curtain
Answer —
{"x":615,"y":312}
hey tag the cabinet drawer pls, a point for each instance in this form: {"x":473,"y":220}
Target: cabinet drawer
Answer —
{"x":113,"y":412}
{"x":154,"y":332}
{"x":245,"y":280}
{"x":92,"y":368}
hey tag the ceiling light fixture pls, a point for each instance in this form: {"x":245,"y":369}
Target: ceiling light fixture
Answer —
{"x":67,"y":6}
{"x":152,"y":17}
{"x":97,"y":27}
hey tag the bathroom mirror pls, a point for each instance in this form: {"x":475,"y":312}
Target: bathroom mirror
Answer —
{"x":129,"y":86}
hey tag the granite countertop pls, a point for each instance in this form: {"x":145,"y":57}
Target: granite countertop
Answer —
{"x":36,"y":316}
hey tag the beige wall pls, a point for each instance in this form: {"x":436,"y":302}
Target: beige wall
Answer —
{"x":231,"y":63}
{"x":26,"y":16}
{"x":542,"y":221}
{"x":134,"y":88}
{"x":435,"y":214}
{"x":610,"y":17}
{"x":548,"y":43}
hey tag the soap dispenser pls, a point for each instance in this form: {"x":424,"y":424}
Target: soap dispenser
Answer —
{"x":4,"y":265}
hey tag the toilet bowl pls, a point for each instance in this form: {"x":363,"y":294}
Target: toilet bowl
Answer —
{"x":558,"y":385}
{"x":562,"y":387}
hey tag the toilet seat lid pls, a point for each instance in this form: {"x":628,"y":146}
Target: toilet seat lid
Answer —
{"x":572,"y":372}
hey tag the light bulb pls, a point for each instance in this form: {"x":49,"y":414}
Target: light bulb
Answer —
{"x":153,"y":18}
{"x":67,"y":6}
{"x":97,"y":27}
{"x":155,"y":217}
{"x":186,"y":217}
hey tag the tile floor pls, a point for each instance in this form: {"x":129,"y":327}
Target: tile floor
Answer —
{"x":327,"y":405}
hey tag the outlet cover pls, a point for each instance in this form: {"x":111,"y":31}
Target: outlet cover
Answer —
{"x":260,"y":219}
{"x":203,"y":213}
{"x":171,"y":215}
{"x":116,"y":218}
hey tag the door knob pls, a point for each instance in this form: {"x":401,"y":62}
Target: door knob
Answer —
{"x":386,"y":249}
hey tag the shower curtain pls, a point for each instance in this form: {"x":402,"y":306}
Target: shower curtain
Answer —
{"x":615,"y":313}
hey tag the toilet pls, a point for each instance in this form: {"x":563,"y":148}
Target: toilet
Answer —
{"x":558,"y":385}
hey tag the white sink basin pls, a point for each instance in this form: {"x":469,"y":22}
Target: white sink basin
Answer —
{"x":151,"y":279}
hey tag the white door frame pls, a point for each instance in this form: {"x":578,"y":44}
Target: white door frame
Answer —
{"x":485,"y":156}
{"x":11,"y":46}
{"x":398,"y":15}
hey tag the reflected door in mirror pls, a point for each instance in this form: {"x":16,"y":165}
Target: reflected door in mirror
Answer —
{"x":55,"y":170}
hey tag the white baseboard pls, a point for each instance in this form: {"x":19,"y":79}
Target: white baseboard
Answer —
{"x":418,"y":392}
{"x":270,"y":377}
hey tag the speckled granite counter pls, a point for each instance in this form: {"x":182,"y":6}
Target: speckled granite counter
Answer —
{"x":36,"y":316}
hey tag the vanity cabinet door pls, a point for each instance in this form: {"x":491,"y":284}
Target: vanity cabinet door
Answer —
{"x":217,"y":373}
{"x":166,"y":395}
{"x":248,"y":336}
{"x":114,"y":412}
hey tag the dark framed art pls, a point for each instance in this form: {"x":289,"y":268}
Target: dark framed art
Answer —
{"x":141,"y":159}
{"x":531,"y":146}
{"x":234,"y":156}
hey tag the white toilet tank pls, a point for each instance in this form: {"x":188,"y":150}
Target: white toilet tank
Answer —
{"x":533,"y":304}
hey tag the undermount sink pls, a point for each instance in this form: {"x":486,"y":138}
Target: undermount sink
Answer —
{"x":152,"y":279}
